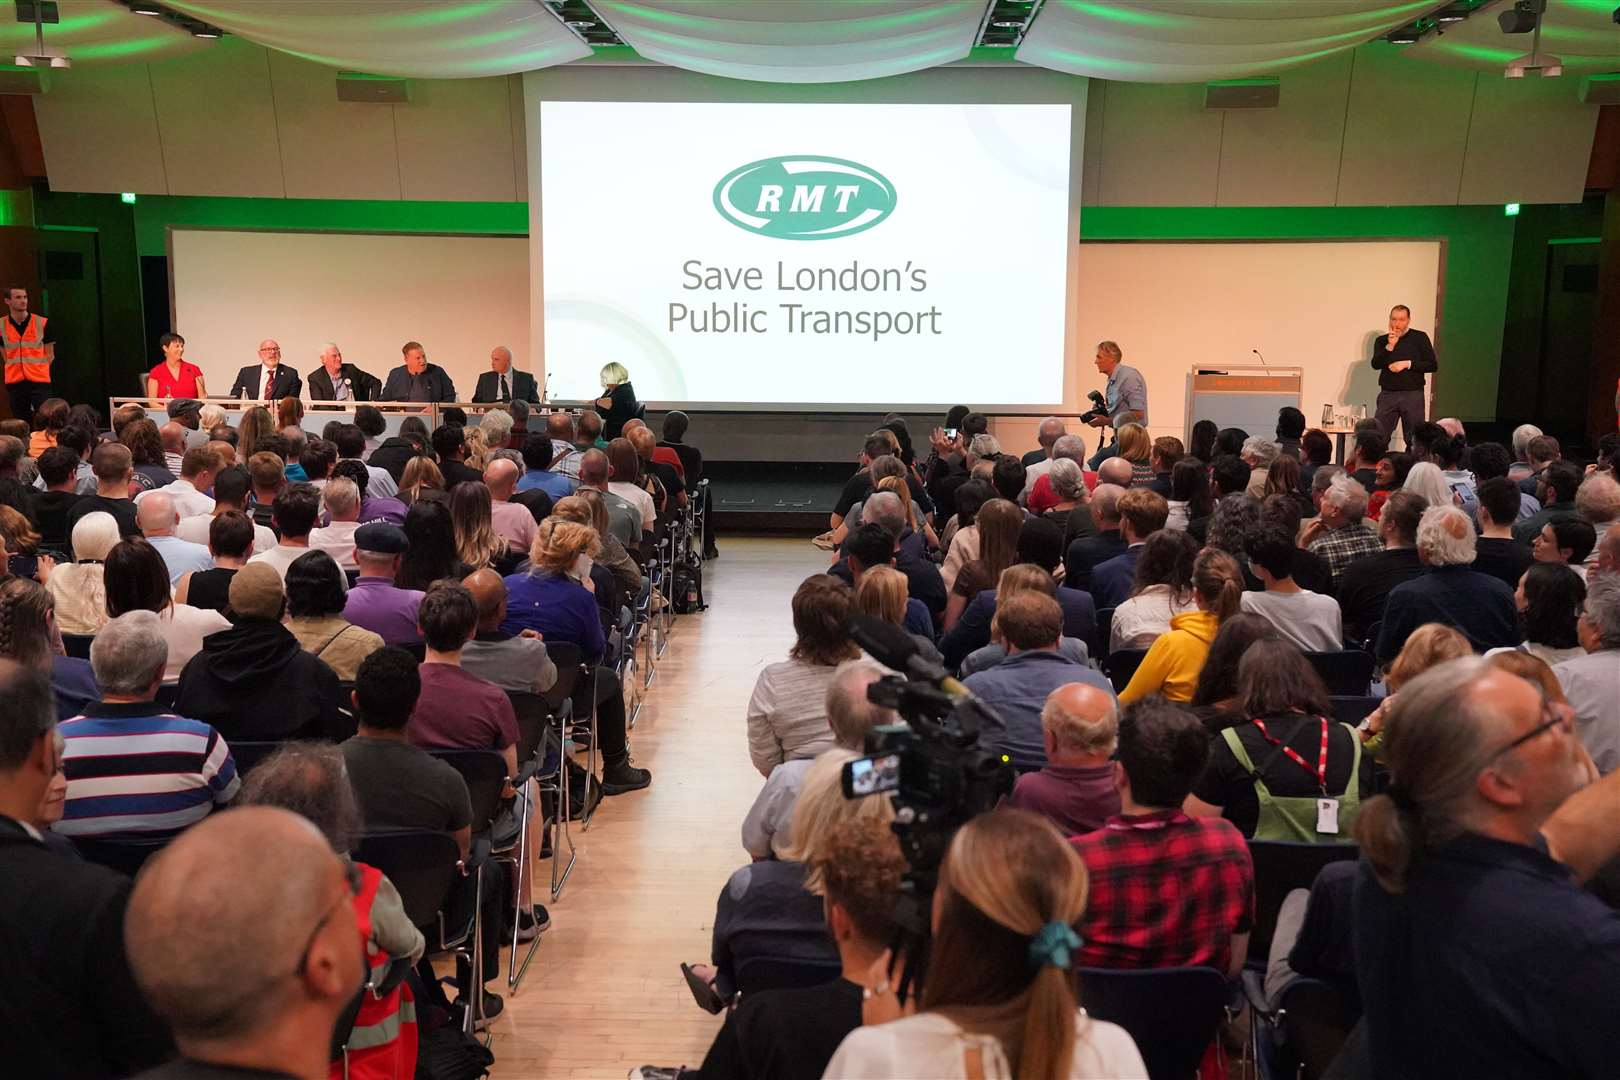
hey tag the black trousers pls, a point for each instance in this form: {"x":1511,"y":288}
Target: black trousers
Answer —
{"x":26,"y":397}
{"x":1403,"y":406}
{"x":610,"y":720}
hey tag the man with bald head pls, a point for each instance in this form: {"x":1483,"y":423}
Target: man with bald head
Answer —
{"x":624,"y":519}
{"x":502,"y":383}
{"x":1086,"y":553}
{"x":1038,"y":461}
{"x":335,"y":380}
{"x":243,"y":935}
{"x":515,"y":663}
{"x":1075,"y":789}
{"x":1201,"y":905}
{"x":173,"y":437}
{"x":157,"y":517}
{"x":565,"y":456}
{"x":269,"y":380}
{"x":71,"y":1008}
{"x":509,"y":519}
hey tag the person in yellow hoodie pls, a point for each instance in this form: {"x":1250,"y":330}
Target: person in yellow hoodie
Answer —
{"x":1172,"y":665}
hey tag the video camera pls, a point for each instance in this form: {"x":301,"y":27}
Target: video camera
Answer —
{"x":1099,"y":407}
{"x":931,"y":767}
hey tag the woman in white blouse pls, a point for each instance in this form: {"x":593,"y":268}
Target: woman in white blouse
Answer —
{"x":1162,"y":589}
{"x":137,"y":580}
{"x":1010,"y":892}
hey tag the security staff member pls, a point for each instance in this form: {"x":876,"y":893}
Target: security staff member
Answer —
{"x":1125,"y":394}
{"x":1402,"y":357}
{"x":29,"y":346}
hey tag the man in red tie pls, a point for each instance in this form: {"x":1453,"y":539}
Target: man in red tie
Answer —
{"x":269,"y":380}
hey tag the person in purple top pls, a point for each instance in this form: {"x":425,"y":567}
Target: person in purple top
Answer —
{"x":389,"y":511}
{"x":1076,"y":787}
{"x":374,"y":602}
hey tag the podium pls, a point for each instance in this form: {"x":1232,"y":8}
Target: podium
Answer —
{"x":1241,"y":397}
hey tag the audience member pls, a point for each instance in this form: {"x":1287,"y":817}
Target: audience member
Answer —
{"x":972,"y":644}
{"x":157,"y":518}
{"x":268,"y":479}
{"x":230,"y":543}
{"x":1566,"y":541}
{"x":79,"y":589}
{"x":138,"y":773}
{"x":1448,"y":591}
{"x":49,"y":508}
{"x":455,"y":709}
{"x":539,"y":456}
{"x":1259,"y":453}
{"x":1556,"y":487}
{"x":28,"y":636}
{"x":1075,"y":788}
{"x":1390,"y":474}
{"x":881,"y":593}
{"x":624,"y":518}
{"x":315,"y":603}
{"x":1215,"y":700}
{"x":516,"y":663}
{"x":1000,"y":978}
{"x":1235,"y":520}
{"x":1365,"y":585}
{"x":1497,"y":553}
{"x":1043,"y":491}
{"x":197,"y":471}
{"x":1190,"y":499}
{"x":294,"y":514}
{"x":72,"y":1009}
{"x":137,"y":580}
{"x":1173,"y":662}
{"x":787,"y":712}
{"x":1592,"y":682}
{"x":1161,"y":589}
{"x":1088,"y":552}
{"x":511,"y":521}
{"x":1200,"y":907}
{"x":1308,"y":619}
{"x":960,"y":537}
{"x":1549,"y":598}
{"x":1475,"y":952}
{"x":231,"y":487}
{"x":997,"y":522}
{"x":1029,"y":623}
{"x":1597,"y":501}
{"x":1142,"y":513}
{"x":477,"y":543}
{"x":1339,"y":534}
{"x":111,"y":464}
{"x":375,"y":602}
{"x":341,"y":500}
{"x":1288,"y":772}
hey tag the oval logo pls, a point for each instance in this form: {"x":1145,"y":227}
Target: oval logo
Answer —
{"x":804,"y":197}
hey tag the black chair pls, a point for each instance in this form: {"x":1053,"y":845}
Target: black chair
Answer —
{"x":166,"y":695}
{"x":1103,"y":634}
{"x":1122,"y":665}
{"x":1303,"y":1033}
{"x":757,"y":973}
{"x":486,"y":777}
{"x":1280,"y":867}
{"x":1353,"y":710}
{"x":553,"y":774}
{"x":77,"y":645}
{"x":1172,"y":1013}
{"x":417,"y":649}
{"x":533,"y":713}
{"x":249,"y":754}
{"x":424,"y":867}
{"x":1347,"y":673}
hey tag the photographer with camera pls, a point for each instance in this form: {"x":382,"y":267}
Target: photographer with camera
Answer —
{"x":1122,"y":401}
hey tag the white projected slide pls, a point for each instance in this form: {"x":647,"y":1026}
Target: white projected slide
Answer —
{"x":798,"y":254}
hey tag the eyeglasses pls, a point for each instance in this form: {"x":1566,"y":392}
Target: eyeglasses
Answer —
{"x":1551,"y":717}
{"x":351,"y":876}
{"x":269,"y":352}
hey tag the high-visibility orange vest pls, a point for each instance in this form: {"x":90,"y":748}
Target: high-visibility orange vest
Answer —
{"x":25,"y":352}
{"x":383,"y":1043}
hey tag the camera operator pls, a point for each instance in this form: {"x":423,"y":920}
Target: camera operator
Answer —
{"x":1124,"y":397}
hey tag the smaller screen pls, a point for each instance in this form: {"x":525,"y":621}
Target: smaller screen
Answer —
{"x":872,"y":775}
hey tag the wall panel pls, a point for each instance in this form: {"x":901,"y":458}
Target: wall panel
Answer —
{"x":455,"y":141}
{"x":1394,"y":155}
{"x":1288,"y":156}
{"x":99,"y":130}
{"x":330,"y":149}
{"x":217,"y":122}
{"x":1529,"y":141}
{"x":1160,"y":147}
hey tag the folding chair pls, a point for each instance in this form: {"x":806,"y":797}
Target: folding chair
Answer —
{"x":1172,"y":1013}
{"x":1122,"y":665}
{"x":1301,"y":1035}
{"x":1103,"y":635}
{"x":560,"y":701}
{"x":1280,"y":867}
{"x":1348,"y":672}
{"x":423,"y":867}
{"x":534,"y":717}
{"x":1353,"y":710}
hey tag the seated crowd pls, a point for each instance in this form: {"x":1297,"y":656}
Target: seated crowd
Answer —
{"x":348,"y":612}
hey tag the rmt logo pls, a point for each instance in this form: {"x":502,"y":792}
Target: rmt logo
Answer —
{"x":804,"y":197}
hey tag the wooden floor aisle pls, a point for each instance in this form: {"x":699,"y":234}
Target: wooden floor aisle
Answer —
{"x":604,"y":993}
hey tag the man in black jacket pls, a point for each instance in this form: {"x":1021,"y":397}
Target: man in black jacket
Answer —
{"x":501,"y":383}
{"x":269,"y":379}
{"x":396,"y":451}
{"x":70,"y":1008}
{"x":1366,"y":583}
{"x":418,"y":380}
{"x":1088,"y":552}
{"x":335,"y":380}
{"x":1402,"y":357}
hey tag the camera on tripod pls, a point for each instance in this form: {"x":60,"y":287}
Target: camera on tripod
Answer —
{"x":1099,"y":407}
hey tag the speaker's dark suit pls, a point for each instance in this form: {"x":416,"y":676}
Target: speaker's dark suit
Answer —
{"x":251,"y":380}
{"x":362,"y":386}
{"x":521,"y":383}
{"x":398,"y":386}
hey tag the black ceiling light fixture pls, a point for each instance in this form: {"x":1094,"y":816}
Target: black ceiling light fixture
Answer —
{"x":1524,"y":17}
{"x":1005,"y":23}
{"x":584,"y":23}
{"x":180,"y":21}
{"x":1433,"y":23}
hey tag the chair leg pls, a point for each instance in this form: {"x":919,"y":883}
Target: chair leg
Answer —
{"x":474,"y":1010}
{"x":558,"y":830}
{"x":514,"y":975}
{"x":590,"y":766}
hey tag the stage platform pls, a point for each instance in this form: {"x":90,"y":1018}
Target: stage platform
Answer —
{"x":774,"y":497}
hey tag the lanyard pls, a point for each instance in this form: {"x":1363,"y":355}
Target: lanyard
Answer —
{"x":1320,"y":771}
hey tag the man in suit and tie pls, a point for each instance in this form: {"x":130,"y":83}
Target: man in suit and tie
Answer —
{"x":418,"y":380}
{"x":336,"y":381}
{"x":269,"y":379}
{"x":501,"y":383}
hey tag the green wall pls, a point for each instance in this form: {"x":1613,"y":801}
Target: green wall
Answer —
{"x":1478,"y":257}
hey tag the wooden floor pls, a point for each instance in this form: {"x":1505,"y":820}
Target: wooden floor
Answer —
{"x":604,"y":993}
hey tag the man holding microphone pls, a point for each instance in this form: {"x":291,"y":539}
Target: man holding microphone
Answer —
{"x":1402,"y":357}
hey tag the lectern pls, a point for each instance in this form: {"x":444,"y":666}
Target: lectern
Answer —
{"x":1241,"y":397}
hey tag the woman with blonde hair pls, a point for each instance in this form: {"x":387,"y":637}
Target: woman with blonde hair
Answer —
{"x":479,"y":452}
{"x":477,"y":543}
{"x":1429,"y":646}
{"x":1173,"y":662}
{"x":554,"y":598}
{"x":421,"y":479}
{"x":1133,"y":443}
{"x":79,"y":588}
{"x":999,"y":997}
{"x":882,"y":593}
{"x":897,"y":486}
{"x":587,"y":507}
{"x":256,"y":424}
{"x":618,"y":402}
{"x":28,"y":636}
{"x":999,"y":522}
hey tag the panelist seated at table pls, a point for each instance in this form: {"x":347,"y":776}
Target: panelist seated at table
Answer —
{"x":418,"y":380}
{"x":335,"y":380}
{"x":173,"y":377}
{"x":269,"y":379}
{"x":502,"y":383}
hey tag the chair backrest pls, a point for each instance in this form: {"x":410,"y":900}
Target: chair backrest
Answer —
{"x":533,"y":713}
{"x":569,"y":660}
{"x":1122,"y":665}
{"x":417,"y":649}
{"x":756,"y":973}
{"x":248,"y":754}
{"x":485,"y":774}
{"x":421,"y":864}
{"x":1347,"y":672}
{"x":1317,"y":1018}
{"x":1171,"y":1013}
{"x":1280,"y":867}
{"x":1353,"y":710}
{"x":125,"y":857}
{"x":1103,"y":635}
{"x":77,"y":645}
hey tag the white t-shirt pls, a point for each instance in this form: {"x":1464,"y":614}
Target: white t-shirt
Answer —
{"x":928,"y":1045}
{"x":1139,"y":621}
{"x":195,"y":529}
{"x":280,"y":557}
{"x":337,"y":540}
{"x":185,"y":627}
{"x":1308,"y":619}
{"x":638,"y":498}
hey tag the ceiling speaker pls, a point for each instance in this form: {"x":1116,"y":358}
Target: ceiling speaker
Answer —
{"x":1262,"y":93}
{"x":373,"y":89}
{"x":1601,"y":89}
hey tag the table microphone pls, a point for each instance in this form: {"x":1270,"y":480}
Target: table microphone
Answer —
{"x":1262,"y":361}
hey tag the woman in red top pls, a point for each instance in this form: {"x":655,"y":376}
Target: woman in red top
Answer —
{"x":174,"y":378}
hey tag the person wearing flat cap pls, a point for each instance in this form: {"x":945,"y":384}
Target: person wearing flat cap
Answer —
{"x":375,"y":603}
{"x":187,"y":412}
{"x":254,"y":682}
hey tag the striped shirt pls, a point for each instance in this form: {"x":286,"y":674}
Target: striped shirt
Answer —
{"x":136,"y":773}
{"x":787,"y":714}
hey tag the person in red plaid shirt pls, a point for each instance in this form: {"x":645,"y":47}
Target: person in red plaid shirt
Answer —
{"x":1167,"y":890}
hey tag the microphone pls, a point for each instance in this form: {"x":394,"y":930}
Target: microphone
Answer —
{"x":892,"y":647}
{"x":1262,"y":360}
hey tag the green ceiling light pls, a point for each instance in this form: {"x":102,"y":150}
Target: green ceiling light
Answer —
{"x":1511,"y":209}
{"x":128,"y":197}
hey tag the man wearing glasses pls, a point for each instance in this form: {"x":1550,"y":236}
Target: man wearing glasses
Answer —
{"x":269,"y":380}
{"x":1592,"y":682}
{"x":1476,"y":951}
{"x":243,"y":935}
